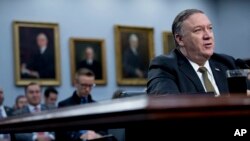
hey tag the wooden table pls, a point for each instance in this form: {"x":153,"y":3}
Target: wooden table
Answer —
{"x":143,"y":117}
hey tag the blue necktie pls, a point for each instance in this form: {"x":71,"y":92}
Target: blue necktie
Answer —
{"x":84,"y":100}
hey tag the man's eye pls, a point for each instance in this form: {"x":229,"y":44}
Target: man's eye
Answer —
{"x":197,"y":30}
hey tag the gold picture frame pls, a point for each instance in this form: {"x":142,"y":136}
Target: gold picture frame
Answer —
{"x":36,"y":51}
{"x":132,"y":61}
{"x":80,"y":48}
{"x":168,"y":42}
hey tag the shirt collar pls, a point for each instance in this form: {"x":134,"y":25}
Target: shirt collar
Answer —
{"x":32,"y":108}
{"x":42,"y":50}
{"x":196,"y":66}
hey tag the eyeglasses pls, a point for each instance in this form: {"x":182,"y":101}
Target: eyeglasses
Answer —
{"x":87,"y":85}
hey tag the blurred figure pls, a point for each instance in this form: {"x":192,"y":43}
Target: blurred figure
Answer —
{"x":41,"y":63}
{"x":91,"y":63}
{"x":84,"y":82}
{"x":119,"y":133}
{"x":118,"y":94}
{"x":4,"y":112}
{"x":133,"y":66}
{"x":248,"y":84}
{"x":21,"y":102}
{"x":33,"y":94}
{"x":50,"y":97}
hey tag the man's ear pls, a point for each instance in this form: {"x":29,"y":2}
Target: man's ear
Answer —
{"x":179,"y":39}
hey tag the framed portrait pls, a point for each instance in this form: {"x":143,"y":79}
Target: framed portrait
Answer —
{"x":134,"y":49}
{"x":90,"y":54}
{"x":36,"y":50}
{"x":168,"y":42}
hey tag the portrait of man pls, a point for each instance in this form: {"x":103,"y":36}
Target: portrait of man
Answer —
{"x":37,"y":53}
{"x":134,"y":65}
{"x":89,"y":54}
{"x":90,"y":62}
{"x":134,"y":50}
{"x":41,"y":63}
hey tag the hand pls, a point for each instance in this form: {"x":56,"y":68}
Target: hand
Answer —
{"x":90,"y":135}
{"x":43,"y":138}
{"x":24,"y":69}
{"x":34,"y":73}
{"x":139,"y":73}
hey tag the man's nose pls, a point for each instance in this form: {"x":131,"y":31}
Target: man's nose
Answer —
{"x":207,"y":34}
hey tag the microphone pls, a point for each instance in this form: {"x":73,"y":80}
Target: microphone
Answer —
{"x":242,"y":64}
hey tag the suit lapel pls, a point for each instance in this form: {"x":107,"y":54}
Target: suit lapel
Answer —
{"x":219,"y":76}
{"x":190,"y":73}
{"x":43,"y":107}
{"x":26,"y":110}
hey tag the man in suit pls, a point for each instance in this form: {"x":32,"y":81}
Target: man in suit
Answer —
{"x":5,"y":111}
{"x":133,"y":66}
{"x":91,"y":63}
{"x":33,"y":94}
{"x":50,"y":97}
{"x":192,"y":67}
{"x":84,"y":82}
{"x":42,"y":62}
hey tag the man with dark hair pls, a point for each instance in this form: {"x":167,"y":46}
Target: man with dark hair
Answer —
{"x":192,"y":67}
{"x":84,"y":82}
{"x":33,"y":94}
{"x":5,"y":111}
{"x":50,"y":97}
{"x":20,"y":102}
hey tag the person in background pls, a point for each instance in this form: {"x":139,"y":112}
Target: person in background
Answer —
{"x":192,"y":67}
{"x":5,"y":112}
{"x":33,"y":94}
{"x":21,"y":101}
{"x":50,"y":97}
{"x":84,"y":82}
{"x":118,"y":94}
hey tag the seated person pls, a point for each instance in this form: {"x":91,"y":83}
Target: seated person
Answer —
{"x":84,"y":82}
{"x":33,"y":95}
{"x":192,"y":67}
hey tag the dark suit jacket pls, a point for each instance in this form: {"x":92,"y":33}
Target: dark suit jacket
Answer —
{"x":8,"y":110}
{"x":73,"y":100}
{"x":73,"y":135}
{"x":26,"y":136}
{"x":131,"y":62}
{"x":44,"y":63}
{"x":174,"y":74}
{"x":95,"y":67}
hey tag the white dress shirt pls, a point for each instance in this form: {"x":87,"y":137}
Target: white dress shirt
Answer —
{"x":32,"y":108}
{"x":3,"y":113}
{"x":42,"y":49}
{"x":210,"y":75}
